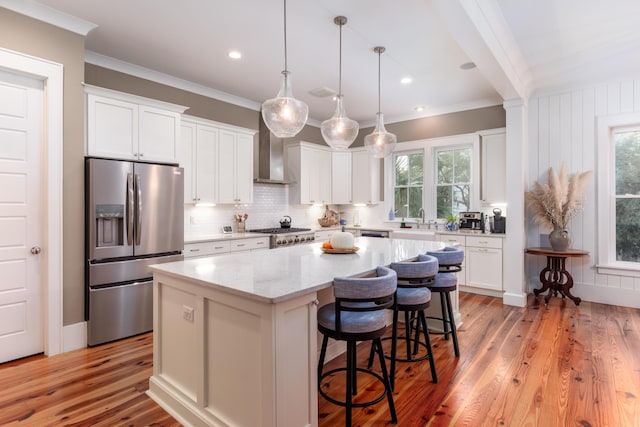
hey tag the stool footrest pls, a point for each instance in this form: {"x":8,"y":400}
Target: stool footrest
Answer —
{"x":354,"y":404}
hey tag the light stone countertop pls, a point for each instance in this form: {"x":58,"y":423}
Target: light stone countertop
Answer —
{"x":279,"y":274}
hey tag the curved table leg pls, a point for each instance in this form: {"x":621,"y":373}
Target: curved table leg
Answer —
{"x":567,"y":283}
{"x":556,"y":278}
{"x":546,"y":284}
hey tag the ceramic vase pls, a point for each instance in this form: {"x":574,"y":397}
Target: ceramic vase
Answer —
{"x":560,"y":239}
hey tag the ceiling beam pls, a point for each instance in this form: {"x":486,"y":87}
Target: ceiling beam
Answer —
{"x":482,"y":32}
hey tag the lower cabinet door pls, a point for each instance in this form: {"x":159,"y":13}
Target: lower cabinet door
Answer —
{"x":484,"y":268}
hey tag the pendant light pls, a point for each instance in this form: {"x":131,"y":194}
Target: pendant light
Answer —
{"x":380,"y":142}
{"x":339,"y":131}
{"x":284,"y":115}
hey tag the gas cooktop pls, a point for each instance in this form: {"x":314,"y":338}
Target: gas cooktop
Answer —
{"x":279,"y":230}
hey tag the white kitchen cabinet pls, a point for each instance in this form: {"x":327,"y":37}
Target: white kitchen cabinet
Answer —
{"x":309,"y":167}
{"x":235,"y":167}
{"x":484,"y":262}
{"x":198,"y":155}
{"x":128,"y":127}
{"x":341,"y":183}
{"x":365,"y":177}
{"x":493,"y":167}
{"x":201,"y":249}
{"x":221,"y":247}
{"x":217,"y":161}
{"x":325,"y":235}
{"x":246,"y":245}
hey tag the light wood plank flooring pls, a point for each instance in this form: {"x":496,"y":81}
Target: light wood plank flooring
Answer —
{"x":535,"y":366}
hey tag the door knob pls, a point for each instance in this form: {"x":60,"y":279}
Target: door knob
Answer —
{"x":36,"y":250}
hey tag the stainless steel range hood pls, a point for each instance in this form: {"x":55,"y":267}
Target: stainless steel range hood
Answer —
{"x":270,"y":157}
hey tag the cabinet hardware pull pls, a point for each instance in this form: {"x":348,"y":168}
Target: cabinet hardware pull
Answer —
{"x":218,"y":247}
{"x":194,"y":250}
{"x":315,"y":302}
{"x":240,"y":245}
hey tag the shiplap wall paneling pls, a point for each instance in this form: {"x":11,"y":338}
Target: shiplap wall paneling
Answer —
{"x":562,"y":127}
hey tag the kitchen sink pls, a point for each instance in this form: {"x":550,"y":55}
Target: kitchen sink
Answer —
{"x":413,"y":234}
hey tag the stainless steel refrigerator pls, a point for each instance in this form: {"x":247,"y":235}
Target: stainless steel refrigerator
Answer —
{"x":133,"y":219}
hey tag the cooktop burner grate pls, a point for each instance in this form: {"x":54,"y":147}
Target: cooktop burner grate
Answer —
{"x":279,"y":230}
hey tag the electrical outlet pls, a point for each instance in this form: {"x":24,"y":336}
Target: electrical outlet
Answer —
{"x":187,"y":313}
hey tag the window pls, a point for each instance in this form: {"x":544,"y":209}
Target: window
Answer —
{"x":408,"y":183}
{"x":453,"y":181}
{"x":626,"y":152}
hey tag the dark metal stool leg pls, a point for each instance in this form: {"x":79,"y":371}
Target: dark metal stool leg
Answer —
{"x":387,"y":382}
{"x":422,"y":320}
{"x":454,"y":335}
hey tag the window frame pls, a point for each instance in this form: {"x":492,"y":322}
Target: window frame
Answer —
{"x":440,"y":149}
{"x":428,"y":146}
{"x":393,"y":194}
{"x":606,"y":194}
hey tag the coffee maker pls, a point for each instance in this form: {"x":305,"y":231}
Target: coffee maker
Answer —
{"x":498,"y":222}
{"x":472,"y":221}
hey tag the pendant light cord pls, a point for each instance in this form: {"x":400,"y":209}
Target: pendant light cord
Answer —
{"x":379,"y":53}
{"x":340,"y":64}
{"x":285,"y":35}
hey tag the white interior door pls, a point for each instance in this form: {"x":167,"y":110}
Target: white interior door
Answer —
{"x":21,"y":112}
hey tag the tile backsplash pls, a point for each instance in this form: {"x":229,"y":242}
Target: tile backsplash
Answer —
{"x":270,"y":203}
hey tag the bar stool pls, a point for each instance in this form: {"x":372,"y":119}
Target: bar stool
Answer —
{"x":412,"y":298}
{"x":358,"y":314}
{"x":450,"y":261}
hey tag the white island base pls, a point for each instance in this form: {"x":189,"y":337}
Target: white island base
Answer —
{"x":235,"y":337}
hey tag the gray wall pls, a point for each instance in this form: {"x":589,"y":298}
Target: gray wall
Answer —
{"x":23,"y":34}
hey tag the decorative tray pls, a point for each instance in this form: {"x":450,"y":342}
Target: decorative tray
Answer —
{"x":352,"y":250}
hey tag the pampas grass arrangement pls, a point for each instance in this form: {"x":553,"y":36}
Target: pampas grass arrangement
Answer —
{"x":554,"y":204}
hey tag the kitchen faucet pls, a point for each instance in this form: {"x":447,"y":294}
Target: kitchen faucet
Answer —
{"x":421,"y":213}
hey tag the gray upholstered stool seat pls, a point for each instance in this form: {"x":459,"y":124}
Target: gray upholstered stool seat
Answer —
{"x":412,"y":298}
{"x":358,"y":314}
{"x":449,"y":260}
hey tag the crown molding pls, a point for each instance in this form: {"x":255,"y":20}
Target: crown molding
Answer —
{"x":49,"y":15}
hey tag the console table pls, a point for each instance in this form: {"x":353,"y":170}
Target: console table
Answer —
{"x":555,"y":277}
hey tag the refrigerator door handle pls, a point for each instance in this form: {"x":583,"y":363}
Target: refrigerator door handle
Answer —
{"x":130,"y":207}
{"x":139,"y":210}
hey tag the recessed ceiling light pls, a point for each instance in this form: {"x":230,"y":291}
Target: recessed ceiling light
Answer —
{"x":406,"y":80}
{"x":468,"y":66}
{"x":234,"y":54}
{"x":418,"y":108}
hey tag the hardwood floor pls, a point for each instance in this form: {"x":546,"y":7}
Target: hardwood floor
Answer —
{"x":535,"y":366}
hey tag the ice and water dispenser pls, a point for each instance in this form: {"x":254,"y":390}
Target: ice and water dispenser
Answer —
{"x":109,"y":225}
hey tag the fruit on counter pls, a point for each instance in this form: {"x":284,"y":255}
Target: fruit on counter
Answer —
{"x":327,"y":245}
{"x":342,"y":240}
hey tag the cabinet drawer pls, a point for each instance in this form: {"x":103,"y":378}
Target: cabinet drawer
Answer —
{"x":484,"y":242}
{"x":451,"y":239}
{"x":249,"y":244}
{"x":205,"y":249}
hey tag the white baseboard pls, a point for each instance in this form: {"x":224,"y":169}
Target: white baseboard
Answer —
{"x":74,"y":336}
{"x":518,"y":300}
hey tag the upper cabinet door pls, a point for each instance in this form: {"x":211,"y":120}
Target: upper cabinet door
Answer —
{"x":341,"y":178}
{"x":130,"y":127}
{"x":493,"y":168}
{"x":158,"y":134}
{"x":244,"y":168}
{"x":112,"y":128}
{"x":186,"y":159}
{"x":206,"y":161}
{"x":366,"y":178}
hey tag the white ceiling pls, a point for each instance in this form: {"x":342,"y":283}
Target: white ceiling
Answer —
{"x":518,"y":45}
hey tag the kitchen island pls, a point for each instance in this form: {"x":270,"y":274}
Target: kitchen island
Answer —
{"x":235,"y":336}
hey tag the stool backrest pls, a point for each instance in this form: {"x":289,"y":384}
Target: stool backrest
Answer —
{"x":449,"y":258}
{"x":365,"y":294}
{"x":419,"y":272}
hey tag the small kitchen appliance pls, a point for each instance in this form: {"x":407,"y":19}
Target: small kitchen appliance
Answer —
{"x":498,"y":223}
{"x":472,"y":221}
{"x":280,"y":237}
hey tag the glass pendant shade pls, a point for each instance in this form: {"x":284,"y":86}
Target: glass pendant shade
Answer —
{"x":284,"y":115}
{"x":339,"y":131}
{"x":380,"y":143}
